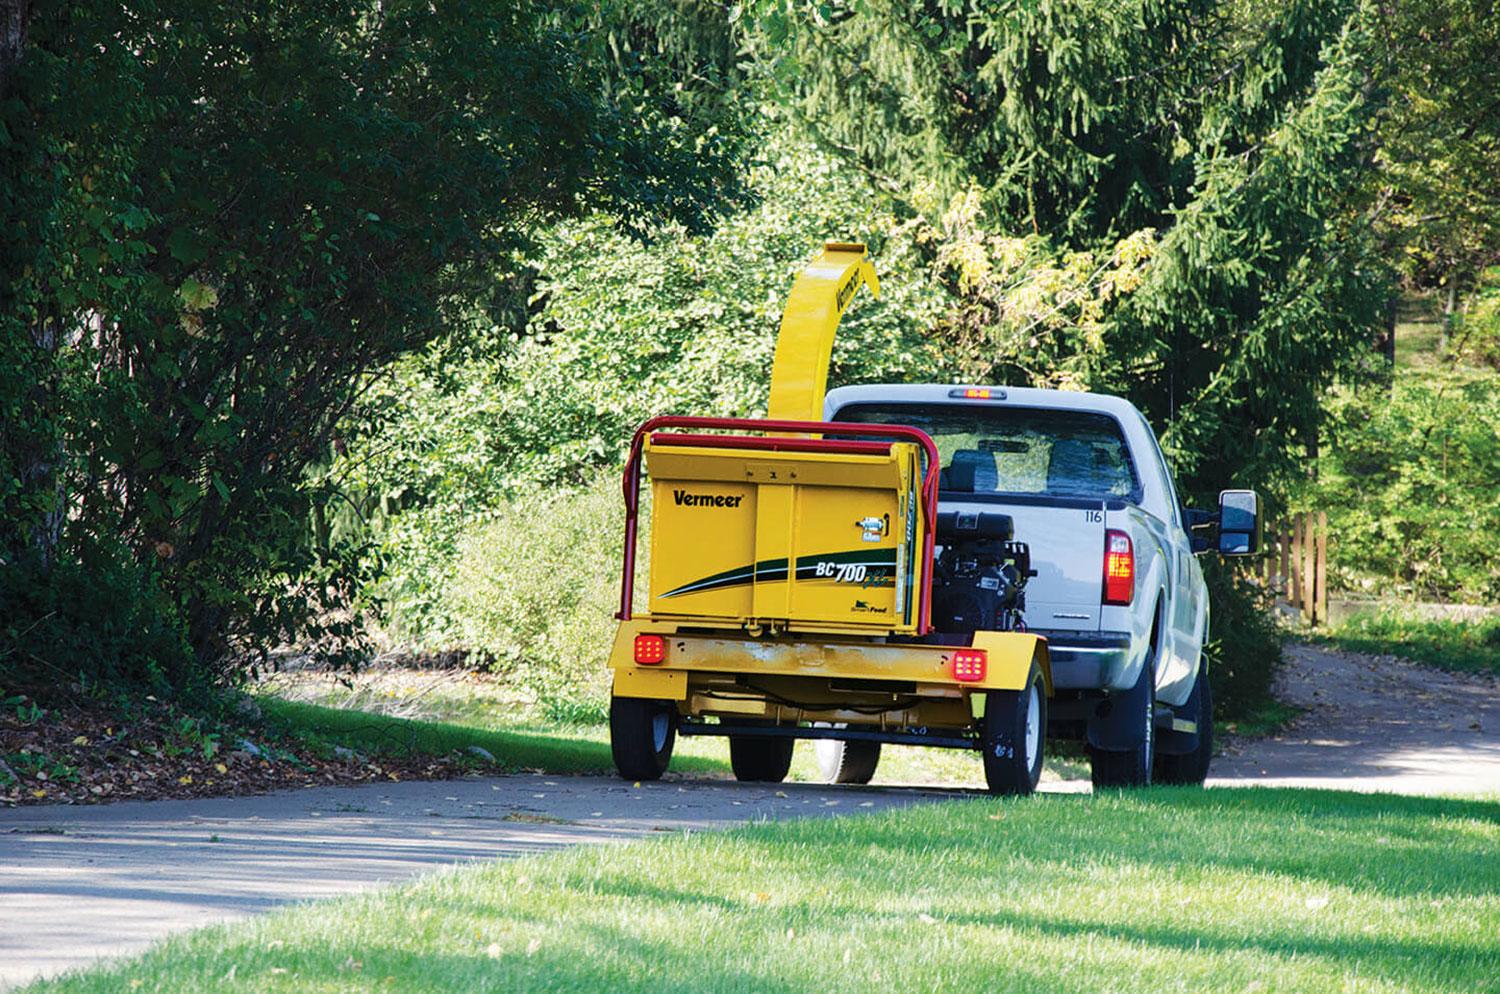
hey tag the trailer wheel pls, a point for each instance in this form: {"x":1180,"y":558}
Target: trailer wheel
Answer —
{"x":754,"y":758}
{"x":841,"y":761}
{"x":642,"y":732}
{"x":1012,"y":735}
{"x":1191,"y":768}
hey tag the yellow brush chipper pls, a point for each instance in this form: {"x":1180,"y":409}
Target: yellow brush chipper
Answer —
{"x":791,"y":584}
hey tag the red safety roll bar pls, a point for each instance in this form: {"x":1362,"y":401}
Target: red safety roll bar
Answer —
{"x":860,"y":446}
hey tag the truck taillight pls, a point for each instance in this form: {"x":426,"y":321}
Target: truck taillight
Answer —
{"x":968,"y":665}
{"x":1119,"y":568}
{"x":650,"y":649}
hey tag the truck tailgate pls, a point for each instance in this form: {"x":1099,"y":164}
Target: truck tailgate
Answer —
{"x":1066,"y":538}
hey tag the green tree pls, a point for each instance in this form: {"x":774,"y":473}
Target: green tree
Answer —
{"x":219,"y":219}
{"x":1438,"y":175}
{"x":1230,"y":138}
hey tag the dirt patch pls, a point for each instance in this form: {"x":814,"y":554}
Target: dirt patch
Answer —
{"x":1374,"y":723}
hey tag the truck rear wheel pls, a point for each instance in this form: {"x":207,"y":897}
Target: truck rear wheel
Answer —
{"x":765,"y":760}
{"x":642,"y":732}
{"x":1131,"y":767}
{"x":841,"y":761}
{"x":1191,"y":768}
{"x":1012,"y":734}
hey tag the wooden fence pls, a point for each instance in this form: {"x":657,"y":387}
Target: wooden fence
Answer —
{"x":1295,"y":564}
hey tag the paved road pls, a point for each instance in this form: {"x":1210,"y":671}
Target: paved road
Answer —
{"x":79,"y":883}
{"x":1375,"y":724}
{"x":84,"y":882}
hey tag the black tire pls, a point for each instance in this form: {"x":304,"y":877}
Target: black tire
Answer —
{"x":642,"y":732}
{"x":1190,"y":769}
{"x":1013,"y":735}
{"x":841,"y":761}
{"x":1132,"y":767}
{"x":762,"y":760}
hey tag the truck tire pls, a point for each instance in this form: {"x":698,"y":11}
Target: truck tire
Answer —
{"x":757,"y":759}
{"x":1191,"y":768}
{"x":841,"y":761}
{"x":1131,"y":767}
{"x":642,"y":732}
{"x":1012,"y":736}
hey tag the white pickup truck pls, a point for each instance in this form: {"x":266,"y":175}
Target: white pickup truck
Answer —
{"x":1117,"y":589}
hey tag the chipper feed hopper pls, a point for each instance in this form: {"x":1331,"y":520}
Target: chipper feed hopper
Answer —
{"x":791,"y":584}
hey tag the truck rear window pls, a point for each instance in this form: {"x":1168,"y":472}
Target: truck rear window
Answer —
{"x":1009,"y":450}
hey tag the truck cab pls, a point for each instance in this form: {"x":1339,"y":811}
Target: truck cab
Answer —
{"x":1117,"y":589}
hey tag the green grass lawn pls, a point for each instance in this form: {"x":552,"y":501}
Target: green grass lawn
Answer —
{"x":1459,"y":646}
{"x":1163,"y":890}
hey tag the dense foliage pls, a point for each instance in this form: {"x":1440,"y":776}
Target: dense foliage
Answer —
{"x":1409,"y":477}
{"x":1212,"y":152}
{"x":621,"y":332}
{"x":304,"y":305}
{"x":1437,"y":180}
{"x":217,"y":221}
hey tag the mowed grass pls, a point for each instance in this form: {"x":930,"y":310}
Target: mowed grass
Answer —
{"x":1162,"y":890}
{"x":441,"y":712}
{"x":518,"y":749}
{"x":1451,"y":644}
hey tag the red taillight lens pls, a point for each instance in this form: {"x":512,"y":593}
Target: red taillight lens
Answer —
{"x":650,"y":649}
{"x":1119,"y":568}
{"x":968,"y":665}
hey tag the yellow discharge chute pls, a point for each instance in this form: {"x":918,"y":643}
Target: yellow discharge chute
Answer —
{"x":799,"y":375}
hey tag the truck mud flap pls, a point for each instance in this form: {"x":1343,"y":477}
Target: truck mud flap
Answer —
{"x":1180,"y":733}
{"x":1116,"y":725}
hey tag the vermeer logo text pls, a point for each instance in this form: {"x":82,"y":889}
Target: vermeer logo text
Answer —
{"x":684,"y":498}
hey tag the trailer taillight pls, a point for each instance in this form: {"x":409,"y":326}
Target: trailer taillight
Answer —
{"x":1119,"y":568}
{"x":968,"y":665}
{"x":650,"y":649}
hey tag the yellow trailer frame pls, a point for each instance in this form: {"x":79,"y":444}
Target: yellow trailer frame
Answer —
{"x":790,"y":581}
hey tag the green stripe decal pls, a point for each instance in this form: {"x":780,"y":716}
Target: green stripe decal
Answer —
{"x":775,"y":570}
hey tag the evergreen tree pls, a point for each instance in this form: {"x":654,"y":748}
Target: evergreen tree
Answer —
{"x":1227,"y":137}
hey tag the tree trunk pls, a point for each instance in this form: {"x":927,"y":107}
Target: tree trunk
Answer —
{"x":12,"y":38}
{"x":1448,"y":313}
{"x":41,"y":466}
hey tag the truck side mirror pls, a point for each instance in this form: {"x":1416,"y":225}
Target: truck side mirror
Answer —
{"x":1239,"y":523}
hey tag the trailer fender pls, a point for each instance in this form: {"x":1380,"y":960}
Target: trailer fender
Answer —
{"x":1010,"y":658}
{"x":631,"y":680}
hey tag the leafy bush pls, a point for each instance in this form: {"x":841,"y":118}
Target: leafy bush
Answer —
{"x":1244,"y":649}
{"x":95,"y":618}
{"x":1409,"y":476}
{"x":535,"y":588}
